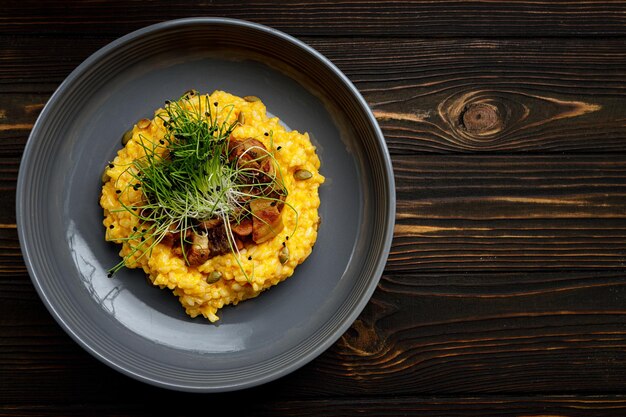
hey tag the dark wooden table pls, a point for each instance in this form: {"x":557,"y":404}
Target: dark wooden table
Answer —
{"x":505,"y":292}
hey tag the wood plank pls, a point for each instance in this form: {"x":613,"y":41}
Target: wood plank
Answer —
{"x":485,"y":333}
{"x":421,"y":334}
{"x":8,"y":184}
{"x":469,"y":212}
{"x":429,"y":96}
{"x":348,"y":17}
{"x":509,"y":212}
{"x":549,"y":95}
{"x":546,"y":406}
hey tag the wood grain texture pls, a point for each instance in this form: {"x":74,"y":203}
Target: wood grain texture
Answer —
{"x":504,"y":292}
{"x":348,"y":17}
{"x":509,"y":212}
{"x":11,"y":261}
{"x":8,"y":183}
{"x":550,"y":406}
{"x":421,"y":334}
{"x":485,"y":333}
{"x":469,"y":212}
{"x":503,"y":96}
{"x":430,"y":96}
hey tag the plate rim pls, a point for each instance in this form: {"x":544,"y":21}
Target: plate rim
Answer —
{"x":376,"y":271}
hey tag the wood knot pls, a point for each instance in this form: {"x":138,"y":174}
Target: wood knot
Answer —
{"x":362,"y":339}
{"x":481,"y":119}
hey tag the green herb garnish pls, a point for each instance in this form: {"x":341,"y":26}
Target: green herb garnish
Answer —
{"x":188,"y":177}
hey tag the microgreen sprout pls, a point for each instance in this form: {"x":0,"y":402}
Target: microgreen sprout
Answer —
{"x":187,"y":177}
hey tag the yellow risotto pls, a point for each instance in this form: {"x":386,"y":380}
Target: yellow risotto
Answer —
{"x":243,"y":272}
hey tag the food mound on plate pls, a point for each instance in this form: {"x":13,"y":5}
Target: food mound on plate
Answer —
{"x":213,"y":199}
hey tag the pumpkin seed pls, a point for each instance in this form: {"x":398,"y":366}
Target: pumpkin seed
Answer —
{"x":302,"y":174}
{"x":190,"y":93}
{"x":251,"y":99}
{"x":143,"y":123}
{"x":127,"y":136}
{"x":214,"y":277}
{"x":283,"y":255}
{"x":241,"y":118}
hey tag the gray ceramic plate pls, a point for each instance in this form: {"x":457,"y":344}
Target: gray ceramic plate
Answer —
{"x":141,"y":330}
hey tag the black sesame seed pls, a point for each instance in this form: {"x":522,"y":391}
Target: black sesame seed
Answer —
{"x":279,"y":148}
{"x":284,"y":244}
{"x":266,"y":134}
{"x":111,"y":227}
{"x":249,"y":258}
{"x":134,"y":229}
{"x":111,"y":166}
{"x":286,"y":237}
{"x":118,"y":191}
{"x":143,"y":238}
{"x":167,"y":102}
{"x":162,"y":142}
{"x":206,"y":113}
{"x":110,"y":274}
{"x":273,"y":203}
{"x":215,"y":104}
